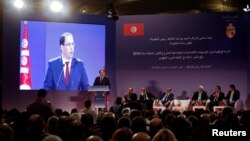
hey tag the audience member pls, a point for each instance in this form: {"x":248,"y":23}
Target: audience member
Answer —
{"x":138,"y":124}
{"x":164,"y":135}
{"x":117,"y":107}
{"x":36,"y":128}
{"x":6,"y":132}
{"x":52,"y":125}
{"x":94,"y":138}
{"x":140,"y":136}
{"x":41,"y":106}
{"x":155,"y":125}
{"x":123,"y":122}
{"x":89,"y":110}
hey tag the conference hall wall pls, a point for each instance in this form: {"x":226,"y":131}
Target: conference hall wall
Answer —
{"x":183,"y":51}
{"x":180,"y":51}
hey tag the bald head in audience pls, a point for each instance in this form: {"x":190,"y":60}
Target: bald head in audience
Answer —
{"x":122,"y":134}
{"x":140,"y":136}
{"x":155,"y":126}
{"x":94,"y":138}
{"x":52,"y":138}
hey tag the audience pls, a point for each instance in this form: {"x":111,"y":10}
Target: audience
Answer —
{"x":130,"y":125}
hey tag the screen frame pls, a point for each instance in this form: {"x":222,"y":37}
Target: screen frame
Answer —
{"x":12,"y":97}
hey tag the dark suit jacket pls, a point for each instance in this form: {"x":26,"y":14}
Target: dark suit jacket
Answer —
{"x":54,"y":79}
{"x":133,"y":105}
{"x":169,"y":98}
{"x":203,"y":96}
{"x":149,"y":95}
{"x":104,"y":82}
{"x":128,"y":97}
{"x":236,"y":96}
{"x":220,"y":98}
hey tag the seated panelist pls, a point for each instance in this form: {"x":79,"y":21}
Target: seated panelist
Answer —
{"x":167,"y":97}
{"x":199,"y":97}
{"x":146,"y":95}
{"x":216,"y":98}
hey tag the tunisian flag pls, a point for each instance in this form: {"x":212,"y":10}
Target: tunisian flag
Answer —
{"x":25,"y":73}
{"x":133,"y":29}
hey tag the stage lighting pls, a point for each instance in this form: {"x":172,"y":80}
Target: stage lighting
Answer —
{"x":56,"y":6}
{"x":246,"y":9}
{"x":18,"y":4}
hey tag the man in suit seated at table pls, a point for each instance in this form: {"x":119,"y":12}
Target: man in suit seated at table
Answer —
{"x":133,"y":103}
{"x":146,"y":98}
{"x":199,"y":97}
{"x":146,"y":95}
{"x":167,"y":97}
{"x":216,"y":98}
{"x":232,"y":96}
{"x":128,"y":96}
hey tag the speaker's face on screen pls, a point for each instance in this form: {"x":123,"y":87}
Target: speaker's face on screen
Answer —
{"x":68,"y":47}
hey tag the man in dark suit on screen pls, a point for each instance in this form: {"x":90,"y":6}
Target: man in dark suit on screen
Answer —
{"x":66,"y":72}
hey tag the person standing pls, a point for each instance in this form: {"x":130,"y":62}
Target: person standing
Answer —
{"x":41,"y":106}
{"x":103,"y":80}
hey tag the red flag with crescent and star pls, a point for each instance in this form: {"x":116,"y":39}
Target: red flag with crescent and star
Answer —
{"x":25,"y":72}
